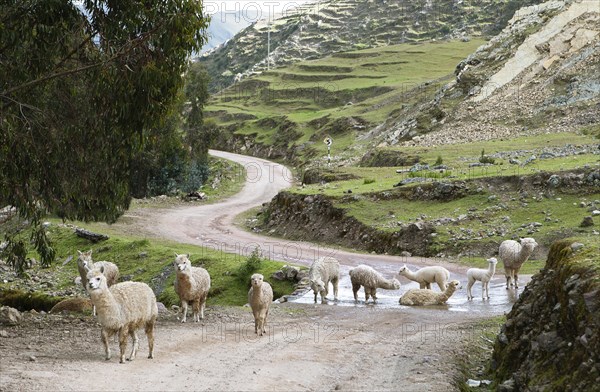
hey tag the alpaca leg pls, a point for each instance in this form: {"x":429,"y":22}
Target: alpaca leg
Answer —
{"x":507,"y":275}
{"x":428,"y":285}
{"x":367,"y":293}
{"x":516,"y":273}
{"x":136,"y":343}
{"x":196,"y":310}
{"x":469,"y":285}
{"x":256,"y":320}
{"x":105,"y":338}
{"x":316,"y":292}
{"x":150,"y":335}
{"x":94,"y":310}
{"x":355,"y":288}
{"x":374,"y":294}
{"x":202,"y":306}
{"x":184,"y":307}
{"x":423,"y":285}
{"x":123,"y":332}
{"x":265,"y":321}
{"x":442,"y":285}
{"x":335,"y":289}
{"x":483,"y":288}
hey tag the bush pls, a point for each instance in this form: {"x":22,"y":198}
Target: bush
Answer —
{"x":485,"y":159}
{"x":368,"y":181}
{"x":195,"y":176}
{"x":439,"y":161}
{"x":250,"y":266}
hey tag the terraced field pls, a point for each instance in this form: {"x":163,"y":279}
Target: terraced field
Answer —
{"x":343,"y":95}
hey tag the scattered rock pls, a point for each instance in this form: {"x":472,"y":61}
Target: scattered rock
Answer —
{"x":553,"y":181}
{"x":162,"y":308}
{"x":575,"y":246}
{"x":10,"y":316}
{"x":587,"y":222}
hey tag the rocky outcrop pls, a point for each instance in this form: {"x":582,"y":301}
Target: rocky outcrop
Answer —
{"x":551,"y":339}
{"x":314,"y":218}
{"x":537,"y":76}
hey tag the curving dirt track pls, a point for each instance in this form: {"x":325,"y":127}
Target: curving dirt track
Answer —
{"x":338,"y":346}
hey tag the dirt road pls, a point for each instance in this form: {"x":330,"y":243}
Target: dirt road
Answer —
{"x":339,"y":346}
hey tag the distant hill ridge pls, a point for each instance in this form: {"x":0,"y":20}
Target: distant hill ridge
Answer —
{"x":319,"y":29}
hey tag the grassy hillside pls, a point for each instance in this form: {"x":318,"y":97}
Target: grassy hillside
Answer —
{"x":343,"y":95}
{"x":141,"y":260}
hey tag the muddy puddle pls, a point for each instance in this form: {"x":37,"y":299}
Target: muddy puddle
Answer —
{"x":500,"y":302}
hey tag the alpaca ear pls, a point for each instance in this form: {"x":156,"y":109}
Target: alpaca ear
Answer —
{"x":176,"y":255}
{"x":102,"y":269}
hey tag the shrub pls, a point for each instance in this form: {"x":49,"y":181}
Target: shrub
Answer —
{"x":250,"y":266}
{"x":486,"y":159}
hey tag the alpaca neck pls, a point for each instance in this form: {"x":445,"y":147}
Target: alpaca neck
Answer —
{"x":492,"y":269}
{"x":107,"y":307}
{"x":409,"y":274}
{"x":449,"y":291}
{"x":256,"y":291}
{"x":526,"y":251}
{"x":186,"y":282}
{"x":386,"y":284}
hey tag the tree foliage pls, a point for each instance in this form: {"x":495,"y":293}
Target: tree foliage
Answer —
{"x":81,"y":86}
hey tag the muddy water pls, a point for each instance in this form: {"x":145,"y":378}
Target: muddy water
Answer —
{"x":500,"y":302}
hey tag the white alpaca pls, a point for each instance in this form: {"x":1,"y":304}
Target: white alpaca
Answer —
{"x":192,"y":286}
{"x":482,"y":275}
{"x":513,"y":255}
{"x":123,"y":308}
{"x":323,"y":271}
{"x":85,"y":264}
{"x":424,"y":297}
{"x":260,"y":297}
{"x":363,"y":275}
{"x":427,"y":275}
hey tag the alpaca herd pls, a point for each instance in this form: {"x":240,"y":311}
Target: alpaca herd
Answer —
{"x":123,"y":308}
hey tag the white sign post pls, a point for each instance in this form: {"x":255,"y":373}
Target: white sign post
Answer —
{"x":328,"y":141}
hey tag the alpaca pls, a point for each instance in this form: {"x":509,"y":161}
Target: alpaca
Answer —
{"x":427,"y":275}
{"x":366,"y":276}
{"x":85,"y":264}
{"x":323,"y":271}
{"x":482,"y":275}
{"x":424,"y":297}
{"x":513,"y":255}
{"x":260,"y":297}
{"x":192,"y":285}
{"x":123,"y":309}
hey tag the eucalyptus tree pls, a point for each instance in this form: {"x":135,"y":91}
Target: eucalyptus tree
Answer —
{"x":81,"y":83}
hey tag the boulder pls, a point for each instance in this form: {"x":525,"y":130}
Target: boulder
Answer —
{"x":10,"y":316}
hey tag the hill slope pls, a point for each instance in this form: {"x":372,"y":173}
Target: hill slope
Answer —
{"x":316,"y":30}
